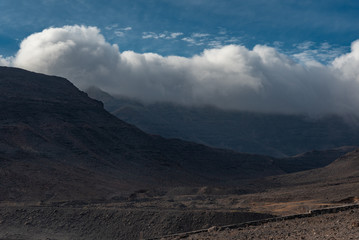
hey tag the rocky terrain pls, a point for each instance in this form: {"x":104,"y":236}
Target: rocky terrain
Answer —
{"x":336,"y":226}
{"x":57,"y":143}
{"x":332,"y":186}
{"x":311,"y":160}
{"x":71,"y":170}
{"x":102,"y":221}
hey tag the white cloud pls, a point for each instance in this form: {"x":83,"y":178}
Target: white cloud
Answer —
{"x":126,"y":29}
{"x":119,"y":33}
{"x":205,"y":39}
{"x":110,"y":27}
{"x":200,"y":35}
{"x":198,"y":39}
{"x":175,"y":35}
{"x":146,"y":35}
{"x":5,"y":61}
{"x":310,"y":53}
{"x":192,"y":41}
{"x":215,"y":44}
{"x":233,"y":40}
{"x":230,"y":77}
{"x":164,"y":35}
{"x":348,"y":63}
{"x":304,"y":45}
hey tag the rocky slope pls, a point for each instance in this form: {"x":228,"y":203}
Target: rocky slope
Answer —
{"x":57,"y":143}
{"x":101,"y":222}
{"x":311,"y":160}
{"x":343,"y":170}
{"x":340,"y":226}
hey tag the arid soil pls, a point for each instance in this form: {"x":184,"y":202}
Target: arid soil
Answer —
{"x":101,"y":221}
{"x":150,"y":214}
{"x":144,"y":214}
{"x":343,"y":225}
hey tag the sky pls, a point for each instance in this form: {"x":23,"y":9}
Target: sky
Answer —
{"x":280,"y":56}
{"x":186,"y":27}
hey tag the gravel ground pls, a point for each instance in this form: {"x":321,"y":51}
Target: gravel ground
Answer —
{"x":343,"y":225}
{"x":99,"y":222}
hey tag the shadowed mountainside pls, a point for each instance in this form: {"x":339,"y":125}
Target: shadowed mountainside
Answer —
{"x":331,"y":184}
{"x":57,"y":143}
{"x":270,"y":134}
{"x":62,"y":155}
{"x":311,"y":160}
{"x":343,"y":170}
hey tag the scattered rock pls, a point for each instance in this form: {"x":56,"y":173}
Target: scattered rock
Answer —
{"x":213,"y":229}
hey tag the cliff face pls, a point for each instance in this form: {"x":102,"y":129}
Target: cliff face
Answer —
{"x":56,"y":143}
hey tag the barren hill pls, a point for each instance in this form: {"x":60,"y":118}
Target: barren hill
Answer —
{"x":69,"y":169}
{"x":57,"y":143}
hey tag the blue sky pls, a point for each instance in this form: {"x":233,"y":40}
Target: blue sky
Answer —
{"x":186,"y":27}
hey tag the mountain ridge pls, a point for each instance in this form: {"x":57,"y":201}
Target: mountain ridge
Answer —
{"x":54,"y":136}
{"x":276,"y":135}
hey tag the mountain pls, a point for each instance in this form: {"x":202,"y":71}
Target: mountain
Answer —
{"x":345,"y":169}
{"x":311,"y":160}
{"x":337,"y":182}
{"x":57,"y":143}
{"x":62,"y":155}
{"x":277,"y":135}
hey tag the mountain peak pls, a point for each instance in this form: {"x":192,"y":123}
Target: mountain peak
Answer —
{"x":21,"y":85}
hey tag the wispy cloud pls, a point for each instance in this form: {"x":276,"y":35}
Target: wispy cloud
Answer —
{"x":197,"y":39}
{"x":215,"y":44}
{"x":126,"y":29}
{"x":304,"y":45}
{"x":175,"y":35}
{"x":210,"y":40}
{"x":222,"y":31}
{"x":200,"y":35}
{"x":120,"y":32}
{"x":314,"y":53}
{"x":192,"y":41}
{"x":163,"y":35}
{"x":110,"y":27}
{"x":233,"y":40}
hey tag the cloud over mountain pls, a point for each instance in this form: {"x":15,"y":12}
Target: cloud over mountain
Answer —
{"x":231,"y":77}
{"x":5,"y":61}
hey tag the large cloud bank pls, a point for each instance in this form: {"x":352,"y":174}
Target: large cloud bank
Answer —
{"x":231,"y":77}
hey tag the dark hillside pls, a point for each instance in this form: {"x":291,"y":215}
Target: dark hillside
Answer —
{"x":276,"y":135}
{"x":57,"y":143}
